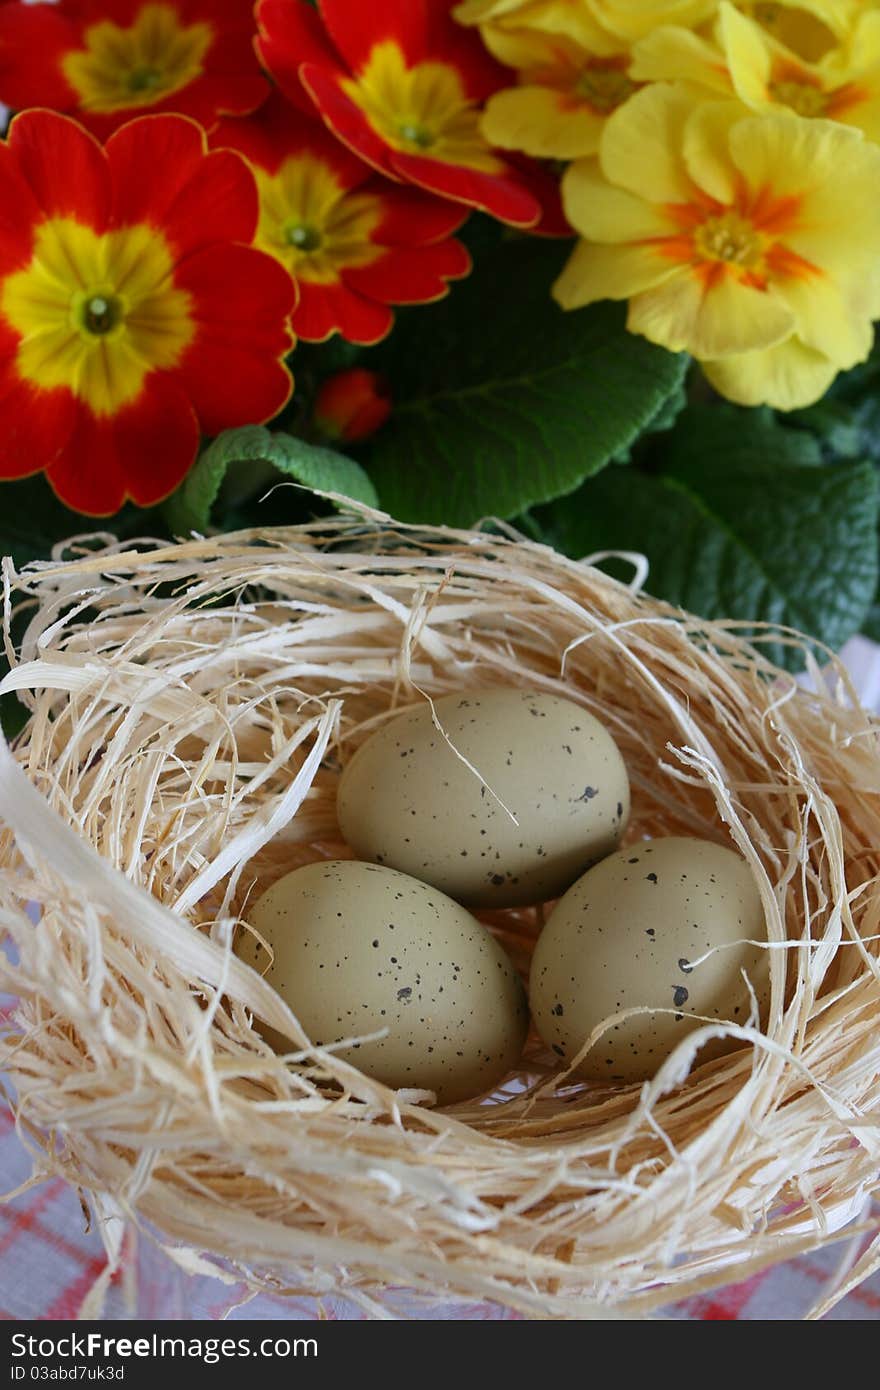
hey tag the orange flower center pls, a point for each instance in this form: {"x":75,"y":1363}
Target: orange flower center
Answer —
{"x":729,"y":238}
{"x":604,"y":85}
{"x":804,"y":98}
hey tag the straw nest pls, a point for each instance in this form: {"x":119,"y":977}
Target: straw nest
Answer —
{"x":190,"y":708}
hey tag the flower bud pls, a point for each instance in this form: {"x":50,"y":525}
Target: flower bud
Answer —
{"x":352,"y":405}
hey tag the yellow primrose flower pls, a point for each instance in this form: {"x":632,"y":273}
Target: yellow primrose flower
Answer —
{"x":565,"y":91}
{"x":751,"y":242}
{"x":842,"y":86}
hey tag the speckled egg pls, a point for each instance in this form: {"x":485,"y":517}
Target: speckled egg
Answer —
{"x":358,"y":947}
{"x":546,"y":795}
{"x":664,"y":925}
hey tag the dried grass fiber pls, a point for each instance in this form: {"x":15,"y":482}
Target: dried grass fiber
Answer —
{"x":190,"y":706}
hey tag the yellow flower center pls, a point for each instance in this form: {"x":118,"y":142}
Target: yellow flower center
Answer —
{"x":421,"y":109}
{"x":802,"y":97}
{"x":311,"y":224}
{"x":729,"y":238}
{"x":95,"y":313}
{"x":120,"y":68}
{"x":605,"y":86}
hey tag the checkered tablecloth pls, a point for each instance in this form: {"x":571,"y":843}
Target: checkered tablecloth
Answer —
{"x":50,"y":1263}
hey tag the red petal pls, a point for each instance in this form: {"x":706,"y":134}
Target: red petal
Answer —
{"x":505,"y":196}
{"x":280,"y":131}
{"x":142,"y":452}
{"x":411,"y":275}
{"x":291,"y":33}
{"x":33,"y":40}
{"x":36,"y":425}
{"x":325,"y":309}
{"x":65,"y":167}
{"x":201,"y":101}
{"x":345,"y":118}
{"x":163,"y":176}
{"x":423,"y":30}
{"x":412,"y":218}
{"x":18,"y":214}
{"x":241,"y":302}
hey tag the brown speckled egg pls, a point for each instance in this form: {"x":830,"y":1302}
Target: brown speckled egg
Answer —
{"x":631,"y":932}
{"x":358,"y":947}
{"x":405,"y":798}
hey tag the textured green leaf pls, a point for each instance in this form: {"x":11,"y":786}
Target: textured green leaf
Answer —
{"x":502,"y":400}
{"x":735,"y":526}
{"x":323,"y":470}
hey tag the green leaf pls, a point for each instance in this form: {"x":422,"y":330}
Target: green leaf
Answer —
{"x":502,"y":400}
{"x":189,"y":508}
{"x":740,"y":524}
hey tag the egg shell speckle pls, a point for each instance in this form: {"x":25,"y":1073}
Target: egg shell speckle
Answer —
{"x":405,"y":799}
{"x":359,"y":947}
{"x":630,"y":933}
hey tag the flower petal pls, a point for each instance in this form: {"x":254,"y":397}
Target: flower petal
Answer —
{"x":706,"y":149}
{"x":410,"y":275}
{"x":291,"y":34}
{"x":602,"y":212}
{"x":641,"y":143}
{"x":344,"y":117}
{"x":19,"y":212}
{"x":833,"y":325}
{"x":141,"y":453}
{"x":595,"y":272}
{"x":33,"y":40}
{"x":788,"y":376}
{"x":670,"y":54}
{"x":324,"y":309}
{"x":749,"y":57}
{"x":232,"y":369}
{"x":412,"y":218}
{"x":423,"y":30}
{"x":683,"y":315}
{"x":65,"y":167}
{"x":543,"y":122}
{"x":504,"y":195}
{"x":162,"y":176}
{"x":36,"y":425}
{"x":279,"y":131}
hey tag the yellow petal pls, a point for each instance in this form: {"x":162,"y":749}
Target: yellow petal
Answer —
{"x":789,"y":376}
{"x":728,"y":318}
{"x":670,"y":54}
{"x":608,"y":272}
{"x":833,"y":176}
{"x":542,"y":29}
{"x":832,"y":323}
{"x":641,"y":144}
{"x":706,"y":148}
{"x":479,"y":11}
{"x":540,"y":122}
{"x":791,"y":155}
{"x":602,"y":212}
{"x":748,"y":54}
{"x":631,"y":19}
